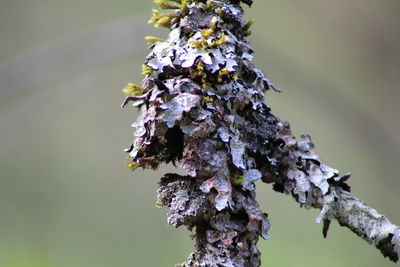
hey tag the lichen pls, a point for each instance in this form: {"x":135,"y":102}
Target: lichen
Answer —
{"x":202,"y":105}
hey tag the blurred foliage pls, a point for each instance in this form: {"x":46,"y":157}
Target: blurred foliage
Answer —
{"x":66,"y":198}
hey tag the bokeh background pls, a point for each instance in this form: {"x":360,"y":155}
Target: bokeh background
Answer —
{"x":66,"y":198}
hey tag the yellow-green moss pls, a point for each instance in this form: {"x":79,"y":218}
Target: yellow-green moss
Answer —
{"x":159,"y":204}
{"x":162,"y":20}
{"x":220,"y":12}
{"x":208,"y":99}
{"x":166,"y":97}
{"x":223,"y":75}
{"x":201,"y":44}
{"x":208,"y":32}
{"x":132,"y":89}
{"x":166,"y":4}
{"x":151,"y":40}
{"x":217,"y":42}
{"x":237,"y":179}
{"x":246,"y":28}
{"x":133,"y":165}
{"x":197,"y":72}
{"x":146,"y":70}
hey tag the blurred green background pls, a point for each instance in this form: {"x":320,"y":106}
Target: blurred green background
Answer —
{"x":66,"y":198}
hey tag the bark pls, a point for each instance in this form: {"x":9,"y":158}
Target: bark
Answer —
{"x":202,"y":105}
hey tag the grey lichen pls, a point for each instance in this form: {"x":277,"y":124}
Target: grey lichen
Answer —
{"x":202,"y":104}
{"x":366,"y":222}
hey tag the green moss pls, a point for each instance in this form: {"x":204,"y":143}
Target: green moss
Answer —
{"x":151,"y":40}
{"x":159,"y":204}
{"x":133,"y":165}
{"x":132,"y":89}
{"x":208,"y":32}
{"x":218,"y":42}
{"x":166,"y":97}
{"x":208,"y":99}
{"x":184,"y":5}
{"x":146,"y":70}
{"x":201,"y":44}
{"x":165,"y":4}
{"x":236,"y":126}
{"x":246,"y":28}
{"x":220,"y":12}
{"x":205,"y":34}
{"x":237,"y":179}
{"x":224,"y":75}
{"x":163,"y":20}
{"x":198,"y":73}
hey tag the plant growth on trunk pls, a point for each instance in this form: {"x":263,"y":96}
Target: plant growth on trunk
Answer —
{"x":202,"y":106}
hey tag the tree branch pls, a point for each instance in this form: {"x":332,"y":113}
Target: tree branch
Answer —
{"x":366,"y":222}
{"x":202,"y":104}
{"x":337,"y":202}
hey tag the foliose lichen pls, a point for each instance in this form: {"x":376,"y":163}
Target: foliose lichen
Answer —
{"x":202,"y":105}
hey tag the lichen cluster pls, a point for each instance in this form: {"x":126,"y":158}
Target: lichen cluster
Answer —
{"x":202,"y":105}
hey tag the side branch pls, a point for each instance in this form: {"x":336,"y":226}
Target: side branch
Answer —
{"x":313,"y":184}
{"x":365,"y":222}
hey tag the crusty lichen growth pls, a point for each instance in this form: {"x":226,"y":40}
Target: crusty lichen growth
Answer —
{"x":202,"y":105}
{"x":366,"y":222}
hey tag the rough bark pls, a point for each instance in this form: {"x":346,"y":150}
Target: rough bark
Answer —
{"x":202,"y":104}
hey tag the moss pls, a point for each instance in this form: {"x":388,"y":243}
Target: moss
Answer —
{"x":184,"y":5}
{"x":166,"y":20}
{"x":132,"y":89}
{"x":163,"y":19}
{"x":165,"y":4}
{"x":166,"y":97}
{"x":198,"y":73}
{"x":224,"y":75}
{"x":151,"y":40}
{"x":146,"y":70}
{"x":205,"y":34}
{"x":201,"y":44}
{"x":220,"y":12}
{"x":246,"y":28}
{"x":236,"y":126}
{"x":218,"y":42}
{"x":205,"y":79}
{"x":159,"y":203}
{"x":237,"y":179}
{"x":208,"y":99}
{"x":208,"y":32}
{"x":133,"y":165}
